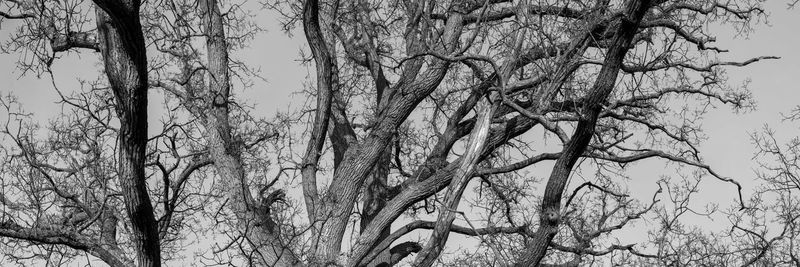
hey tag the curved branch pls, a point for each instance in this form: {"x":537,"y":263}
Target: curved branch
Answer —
{"x":429,"y":225}
{"x":60,"y":236}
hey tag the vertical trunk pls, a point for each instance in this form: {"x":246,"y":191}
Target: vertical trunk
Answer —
{"x":550,"y":214}
{"x":376,"y":189}
{"x":123,"y":49}
{"x":253,"y":218}
{"x":376,"y":194}
{"x":324,"y":66}
{"x":322,"y":255}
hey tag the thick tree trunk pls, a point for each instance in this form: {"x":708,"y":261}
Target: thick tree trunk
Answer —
{"x":550,"y":214}
{"x":253,"y":218}
{"x":324,"y":66}
{"x":123,"y":49}
{"x":376,"y":193}
{"x":376,"y":188}
{"x":322,"y":254}
{"x":337,"y":203}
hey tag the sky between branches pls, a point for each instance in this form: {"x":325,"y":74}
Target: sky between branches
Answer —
{"x":774,"y":85}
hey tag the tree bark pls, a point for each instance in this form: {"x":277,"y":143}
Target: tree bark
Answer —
{"x":123,"y":49}
{"x":550,"y":214}
{"x":376,"y":188}
{"x":253,"y":218}
{"x":476,"y":143}
{"x":337,"y":203}
{"x":56,"y":235}
{"x":324,"y":66}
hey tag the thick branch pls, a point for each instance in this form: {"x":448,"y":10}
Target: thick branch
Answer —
{"x":59,"y":236}
{"x":550,"y":216}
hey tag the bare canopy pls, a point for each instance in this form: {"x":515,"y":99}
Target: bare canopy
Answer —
{"x":513,"y":123}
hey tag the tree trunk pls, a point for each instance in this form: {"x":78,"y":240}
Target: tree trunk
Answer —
{"x":376,"y":188}
{"x":550,"y":214}
{"x":253,"y":218}
{"x":338,"y":201}
{"x":123,"y":49}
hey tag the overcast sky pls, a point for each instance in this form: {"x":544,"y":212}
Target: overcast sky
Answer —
{"x":774,"y":85}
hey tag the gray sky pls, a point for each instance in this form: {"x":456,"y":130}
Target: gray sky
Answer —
{"x":774,"y":85}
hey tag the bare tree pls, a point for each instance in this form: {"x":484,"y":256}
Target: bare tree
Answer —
{"x":59,"y":191}
{"x":551,"y":64}
{"x":112,"y":109}
{"x":125,"y":57}
{"x":584,"y":89}
{"x":121,"y":43}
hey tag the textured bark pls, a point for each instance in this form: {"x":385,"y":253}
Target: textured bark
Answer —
{"x":376,"y":194}
{"x":123,"y":49}
{"x":108,"y":229}
{"x":338,"y":201}
{"x":64,"y":42}
{"x":550,"y":214}
{"x":253,"y":218}
{"x":55,"y":235}
{"x":324,"y":65}
{"x":376,"y":188}
{"x":428,"y":185}
{"x":397,"y":253}
{"x":436,"y":172}
{"x":322,"y":254}
{"x":476,"y":143}
{"x":432,"y":177}
{"x":402,"y":248}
